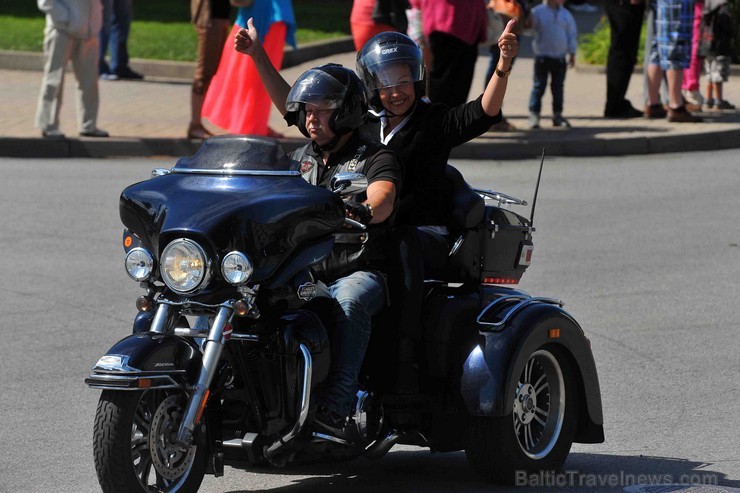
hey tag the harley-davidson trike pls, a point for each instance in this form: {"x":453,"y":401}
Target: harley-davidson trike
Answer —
{"x":228,"y":346}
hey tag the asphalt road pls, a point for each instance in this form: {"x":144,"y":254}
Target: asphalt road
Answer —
{"x":643,"y":250}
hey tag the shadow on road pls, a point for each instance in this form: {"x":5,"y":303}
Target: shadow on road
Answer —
{"x":420,"y":471}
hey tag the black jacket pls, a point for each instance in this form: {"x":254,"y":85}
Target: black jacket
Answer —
{"x":423,"y":148}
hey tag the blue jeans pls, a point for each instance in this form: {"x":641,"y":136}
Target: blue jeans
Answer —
{"x":114,"y":32}
{"x":555,"y":68}
{"x":359,"y":296}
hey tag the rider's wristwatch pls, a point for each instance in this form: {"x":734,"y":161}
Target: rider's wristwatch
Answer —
{"x":500,"y":73}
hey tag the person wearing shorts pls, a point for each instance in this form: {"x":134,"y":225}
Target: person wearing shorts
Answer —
{"x":670,"y":53}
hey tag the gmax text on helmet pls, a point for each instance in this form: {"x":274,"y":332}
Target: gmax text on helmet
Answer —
{"x":388,"y":51}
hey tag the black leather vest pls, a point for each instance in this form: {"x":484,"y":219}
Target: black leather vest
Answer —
{"x":353,"y":250}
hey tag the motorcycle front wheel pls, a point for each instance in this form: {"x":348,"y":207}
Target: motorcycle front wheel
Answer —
{"x":133,"y":446}
{"x":539,"y":432}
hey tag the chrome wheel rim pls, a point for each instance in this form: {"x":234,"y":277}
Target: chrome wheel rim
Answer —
{"x":539,"y":405}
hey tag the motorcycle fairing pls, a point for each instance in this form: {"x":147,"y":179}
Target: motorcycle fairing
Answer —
{"x":235,"y":193}
{"x":163,"y":360}
{"x":488,"y":383}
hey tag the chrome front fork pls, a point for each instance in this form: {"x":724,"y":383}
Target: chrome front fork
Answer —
{"x":212,"y":349}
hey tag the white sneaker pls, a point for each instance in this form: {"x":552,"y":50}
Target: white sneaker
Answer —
{"x":53,"y":133}
{"x":534,"y":120}
{"x":559,"y":121}
{"x":693,"y":97}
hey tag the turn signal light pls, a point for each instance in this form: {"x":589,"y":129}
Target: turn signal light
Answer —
{"x":144,"y":303}
{"x":553,"y":333}
{"x":242,"y":308}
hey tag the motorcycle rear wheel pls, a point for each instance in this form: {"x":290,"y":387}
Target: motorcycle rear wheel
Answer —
{"x":132,"y":447}
{"x":538,"y":433}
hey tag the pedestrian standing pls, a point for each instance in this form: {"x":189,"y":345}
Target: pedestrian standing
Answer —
{"x":555,"y":39}
{"x":71,"y":33}
{"x":625,"y":22}
{"x":497,"y":20}
{"x":670,"y":53}
{"x":236,"y":100}
{"x":718,"y":31}
{"x":117,"y":16}
{"x":212,"y":20}
{"x":370,"y":17}
{"x":453,"y":28}
{"x":690,"y":86}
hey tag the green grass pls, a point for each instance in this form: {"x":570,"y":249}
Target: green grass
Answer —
{"x":593,"y":47}
{"x":162,"y":31}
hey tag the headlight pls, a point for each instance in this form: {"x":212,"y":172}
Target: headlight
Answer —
{"x":139,"y":264}
{"x":184,"y":266}
{"x":236,"y":268}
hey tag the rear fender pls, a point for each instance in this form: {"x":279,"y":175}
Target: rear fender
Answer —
{"x":142,"y":361}
{"x":492,"y":368}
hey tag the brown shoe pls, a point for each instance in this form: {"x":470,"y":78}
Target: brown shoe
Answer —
{"x":198,"y":132}
{"x":681,"y":115}
{"x":655,"y":111}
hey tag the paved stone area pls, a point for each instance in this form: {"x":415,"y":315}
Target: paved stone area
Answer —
{"x":151,"y":117}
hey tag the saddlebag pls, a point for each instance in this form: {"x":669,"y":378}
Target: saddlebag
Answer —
{"x":497,"y":251}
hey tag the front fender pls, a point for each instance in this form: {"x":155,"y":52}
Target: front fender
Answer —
{"x":147,"y":361}
{"x":491,"y":371}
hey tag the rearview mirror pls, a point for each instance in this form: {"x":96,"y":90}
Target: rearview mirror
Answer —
{"x":348,"y":183}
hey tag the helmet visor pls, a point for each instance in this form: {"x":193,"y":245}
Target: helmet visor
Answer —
{"x":318,"y":88}
{"x":388,"y":66}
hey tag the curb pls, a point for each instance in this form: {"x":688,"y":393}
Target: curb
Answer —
{"x":592,"y":147}
{"x":639,"y":69}
{"x":31,"y":147}
{"x":34,"y":61}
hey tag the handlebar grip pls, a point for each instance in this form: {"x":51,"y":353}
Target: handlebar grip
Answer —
{"x":354,"y":224}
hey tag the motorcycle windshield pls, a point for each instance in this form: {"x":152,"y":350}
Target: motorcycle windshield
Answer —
{"x":236,"y":193}
{"x":238,"y":155}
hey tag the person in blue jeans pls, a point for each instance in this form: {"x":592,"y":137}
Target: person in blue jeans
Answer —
{"x":117,"y":15}
{"x":555,"y":39}
{"x":329,"y":104}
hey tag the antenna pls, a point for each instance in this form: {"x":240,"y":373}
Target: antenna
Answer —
{"x":537,"y":188}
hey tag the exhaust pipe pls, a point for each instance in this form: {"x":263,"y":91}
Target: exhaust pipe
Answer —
{"x":379,"y":448}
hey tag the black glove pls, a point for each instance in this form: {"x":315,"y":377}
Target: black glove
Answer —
{"x":360,"y":212}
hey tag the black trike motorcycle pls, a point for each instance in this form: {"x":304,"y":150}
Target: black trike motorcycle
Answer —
{"x":228,"y":344}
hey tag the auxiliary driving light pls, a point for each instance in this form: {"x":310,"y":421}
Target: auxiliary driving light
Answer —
{"x":139,"y":264}
{"x":236,"y":268}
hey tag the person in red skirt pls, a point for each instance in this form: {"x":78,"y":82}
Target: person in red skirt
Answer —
{"x":236,"y":100}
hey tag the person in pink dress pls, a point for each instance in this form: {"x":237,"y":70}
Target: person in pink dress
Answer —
{"x":690,"y":86}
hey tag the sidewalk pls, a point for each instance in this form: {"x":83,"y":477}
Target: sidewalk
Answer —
{"x":150,"y":117}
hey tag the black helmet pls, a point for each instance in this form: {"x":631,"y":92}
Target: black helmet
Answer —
{"x":334,"y":86}
{"x":383,"y":50}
